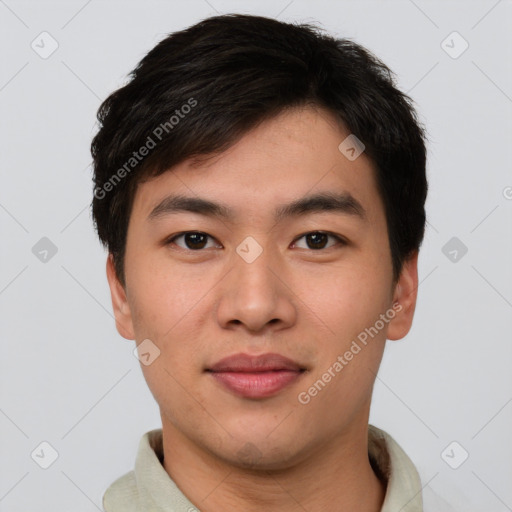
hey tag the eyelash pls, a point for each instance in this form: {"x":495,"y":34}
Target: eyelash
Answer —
{"x":339,"y":239}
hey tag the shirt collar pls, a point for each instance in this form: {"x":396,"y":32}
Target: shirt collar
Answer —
{"x":149,"y":487}
{"x":403,"y":490}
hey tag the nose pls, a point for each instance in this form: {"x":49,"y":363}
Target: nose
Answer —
{"x":256,"y":296}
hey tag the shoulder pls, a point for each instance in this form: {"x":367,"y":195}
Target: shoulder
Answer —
{"x":433,"y":502}
{"x":122,"y":495}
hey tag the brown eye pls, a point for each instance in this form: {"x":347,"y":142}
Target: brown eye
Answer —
{"x":317,"y":240}
{"x":194,"y":240}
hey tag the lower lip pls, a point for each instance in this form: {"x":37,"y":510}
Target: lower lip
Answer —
{"x":258,"y":384}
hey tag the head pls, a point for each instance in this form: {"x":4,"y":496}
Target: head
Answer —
{"x":305,"y":249}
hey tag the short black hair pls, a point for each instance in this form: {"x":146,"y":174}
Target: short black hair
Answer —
{"x":199,"y":90}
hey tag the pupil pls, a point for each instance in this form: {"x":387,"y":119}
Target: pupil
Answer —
{"x":195,"y":238}
{"x":317,"y":239}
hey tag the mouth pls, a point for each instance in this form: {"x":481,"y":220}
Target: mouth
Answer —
{"x":256,"y":376}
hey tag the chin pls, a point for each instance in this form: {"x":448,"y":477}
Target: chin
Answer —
{"x":262,"y":455}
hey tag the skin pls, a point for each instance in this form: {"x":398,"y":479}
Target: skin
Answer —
{"x":199,"y":306}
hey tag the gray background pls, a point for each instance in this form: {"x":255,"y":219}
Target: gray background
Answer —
{"x":69,"y":379}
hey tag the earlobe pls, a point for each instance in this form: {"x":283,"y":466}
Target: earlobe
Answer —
{"x":404,"y":299}
{"x":120,"y":304}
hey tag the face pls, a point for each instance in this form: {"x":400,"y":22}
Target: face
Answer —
{"x":307,"y":285}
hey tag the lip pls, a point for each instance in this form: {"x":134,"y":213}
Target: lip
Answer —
{"x":256,"y":376}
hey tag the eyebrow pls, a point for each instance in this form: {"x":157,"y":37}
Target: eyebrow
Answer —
{"x":341,"y":203}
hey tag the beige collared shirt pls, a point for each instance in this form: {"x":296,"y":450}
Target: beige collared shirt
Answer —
{"x":148,"y":488}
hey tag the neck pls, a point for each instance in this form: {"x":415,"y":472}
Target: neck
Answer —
{"x":336,"y":476}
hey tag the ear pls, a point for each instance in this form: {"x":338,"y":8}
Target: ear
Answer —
{"x":404,"y":299}
{"x":120,"y":304}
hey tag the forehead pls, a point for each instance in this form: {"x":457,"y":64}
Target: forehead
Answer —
{"x":293,"y":155}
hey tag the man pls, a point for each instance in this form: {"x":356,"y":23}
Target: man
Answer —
{"x":260,"y":188}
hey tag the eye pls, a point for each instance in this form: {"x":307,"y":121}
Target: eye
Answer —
{"x":197,"y":240}
{"x":194,"y":240}
{"x":317,"y":239}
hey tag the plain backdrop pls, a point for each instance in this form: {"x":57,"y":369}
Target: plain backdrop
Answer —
{"x":69,"y":380}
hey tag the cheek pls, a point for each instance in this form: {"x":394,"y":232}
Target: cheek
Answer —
{"x":169,"y":309}
{"x":161,"y":297}
{"x":347,"y":300}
